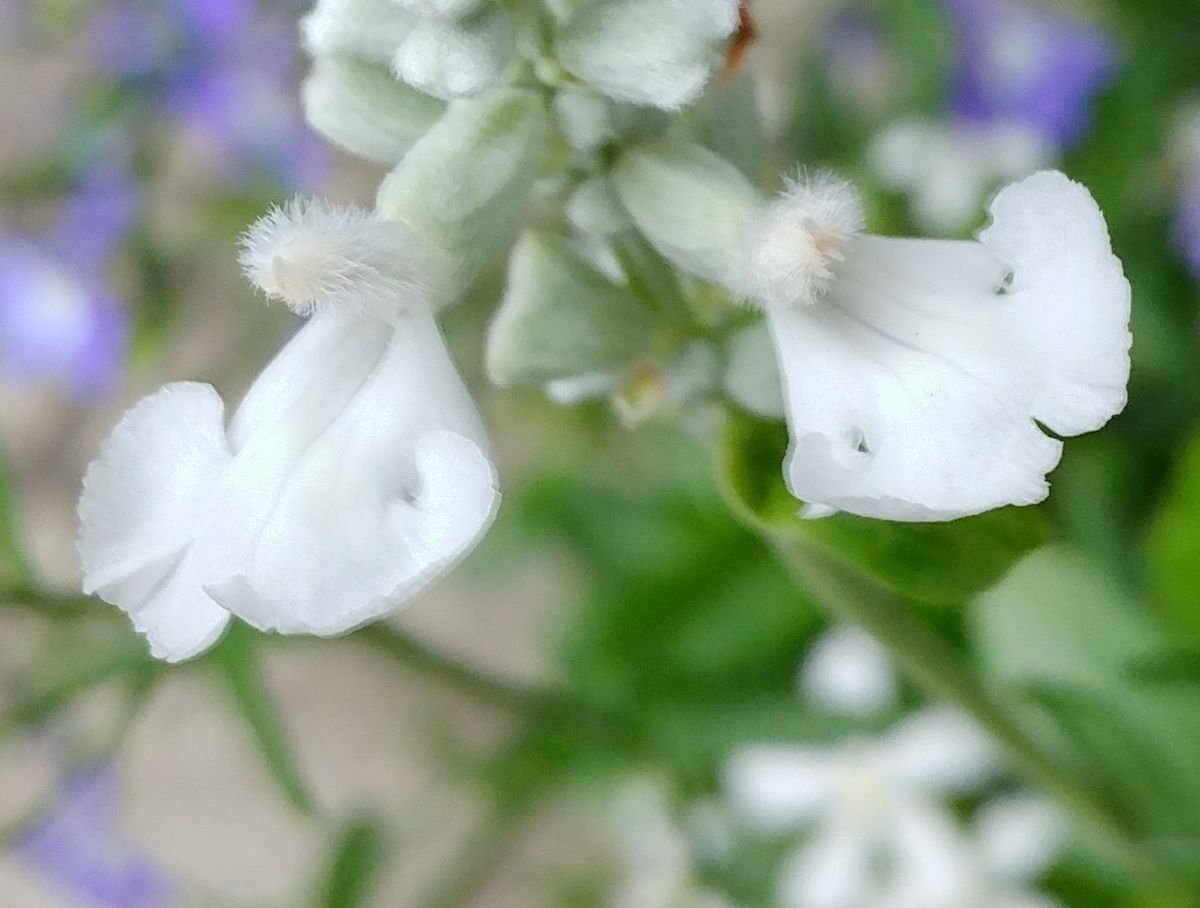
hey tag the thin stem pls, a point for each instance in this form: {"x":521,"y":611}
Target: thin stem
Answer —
{"x":46,"y":604}
{"x":938,"y":669}
{"x":423,"y":659}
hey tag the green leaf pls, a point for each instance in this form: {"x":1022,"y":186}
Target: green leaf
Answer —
{"x":355,"y":866}
{"x":1059,"y":627}
{"x":1172,"y":549}
{"x":940,"y":563}
{"x":236,"y":659}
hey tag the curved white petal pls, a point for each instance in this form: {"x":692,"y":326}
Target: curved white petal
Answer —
{"x":938,"y":751}
{"x":143,"y":500}
{"x":932,"y":864}
{"x":833,"y":870}
{"x":381,"y":477}
{"x":847,"y":671}
{"x":1069,"y":294}
{"x":779,"y":787}
{"x":913,"y":385}
{"x":1019,"y":836}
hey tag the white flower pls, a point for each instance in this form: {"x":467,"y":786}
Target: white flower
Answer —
{"x":948,"y":169}
{"x":659,"y":53}
{"x":354,"y":473}
{"x":659,"y":860}
{"x":918,"y":373}
{"x":878,"y":829}
{"x":847,"y":671}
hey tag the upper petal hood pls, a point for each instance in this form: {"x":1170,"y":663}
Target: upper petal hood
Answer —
{"x":915,"y":386}
{"x":376,"y":496}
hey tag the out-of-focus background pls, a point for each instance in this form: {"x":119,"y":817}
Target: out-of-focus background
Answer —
{"x":618,"y":638}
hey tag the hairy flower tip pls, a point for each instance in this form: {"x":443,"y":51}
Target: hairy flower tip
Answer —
{"x":314,"y":255}
{"x":790,"y":247}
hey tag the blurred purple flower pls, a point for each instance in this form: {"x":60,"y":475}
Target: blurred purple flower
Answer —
{"x":95,"y":220}
{"x":1187,"y":225}
{"x":1019,"y":61}
{"x":225,"y":72}
{"x":78,"y":846}
{"x":54,"y":325}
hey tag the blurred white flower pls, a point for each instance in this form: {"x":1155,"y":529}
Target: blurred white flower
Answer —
{"x":354,"y":473}
{"x":872,"y":807}
{"x":848,"y":672}
{"x":658,"y":858}
{"x":948,"y":169}
{"x":918,"y":373}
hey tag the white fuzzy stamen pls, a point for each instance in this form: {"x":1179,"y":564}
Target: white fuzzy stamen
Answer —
{"x":790,"y":247}
{"x":313,"y":255}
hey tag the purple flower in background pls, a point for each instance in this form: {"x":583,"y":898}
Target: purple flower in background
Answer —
{"x":1187,"y":225}
{"x":78,"y":846}
{"x":54,"y":325}
{"x":1019,"y":61}
{"x":57,"y":319}
{"x":224,"y":72}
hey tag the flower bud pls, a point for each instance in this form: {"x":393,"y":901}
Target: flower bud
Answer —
{"x":360,"y":106}
{"x":440,"y":9}
{"x":561,"y":318}
{"x":661,"y":53}
{"x":466,"y":184}
{"x":369,"y":28}
{"x":449,"y":59}
{"x":689,"y":202}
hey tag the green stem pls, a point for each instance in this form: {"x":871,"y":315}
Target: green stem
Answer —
{"x":421,"y":658}
{"x":46,"y":604}
{"x":935,"y":666}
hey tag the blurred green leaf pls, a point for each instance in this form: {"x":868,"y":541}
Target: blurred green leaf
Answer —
{"x":125,"y":661}
{"x":941,"y":563}
{"x":1059,"y":634}
{"x":354,"y":869}
{"x":237,"y":659}
{"x":1172,"y":548}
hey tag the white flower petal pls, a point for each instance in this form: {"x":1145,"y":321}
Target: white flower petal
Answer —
{"x":1019,"y":836}
{"x":932,"y":863}
{"x":779,"y":787}
{"x":833,"y":870}
{"x":1069,"y":294}
{"x":938,"y":751}
{"x":914,"y":384}
{"x":380,"y":485}
{"x":143,"y":499}
{"x":752,"y":375}
{"x":847,"y":671}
